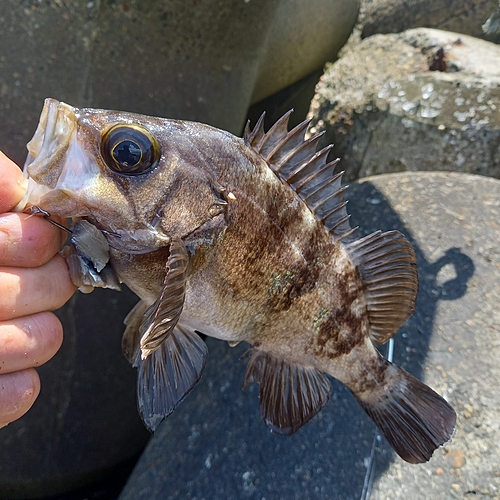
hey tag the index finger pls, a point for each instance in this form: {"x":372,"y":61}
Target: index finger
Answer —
{"x":12,"y":184}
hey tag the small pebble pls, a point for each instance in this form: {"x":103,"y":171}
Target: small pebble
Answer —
{"x":456,"y":458}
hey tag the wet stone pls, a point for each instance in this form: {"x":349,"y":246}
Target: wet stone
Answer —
{"x":420,"y":100}
{"x":216,"y":446}
{"x":391,"y":16}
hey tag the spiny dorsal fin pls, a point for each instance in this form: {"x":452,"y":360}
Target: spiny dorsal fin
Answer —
{"x":388,"y":268}
{"x":290,"y":394}
{"x":295,"y":160}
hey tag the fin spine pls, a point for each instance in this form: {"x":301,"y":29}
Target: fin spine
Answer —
{"x":290,"y":394}
{"x":296,"y":162}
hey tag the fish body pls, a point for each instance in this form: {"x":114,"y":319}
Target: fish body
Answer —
{"x":243,"y":239}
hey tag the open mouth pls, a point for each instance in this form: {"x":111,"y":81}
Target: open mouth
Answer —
{"x":65,"y":180}
{"x":57,"y":124}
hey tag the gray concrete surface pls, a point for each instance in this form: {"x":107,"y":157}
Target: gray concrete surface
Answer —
{"x":200,"y":60}
{"x":214,"y":446}
{"x":203,"y":60}
{"x":455,"y":220}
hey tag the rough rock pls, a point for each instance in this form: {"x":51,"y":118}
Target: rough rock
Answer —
{"x":216,"y":446}
{"x":204,"y":61}
{"x":491,"y":28}
{"x":394,"y":16}
{"x":420,"y":100}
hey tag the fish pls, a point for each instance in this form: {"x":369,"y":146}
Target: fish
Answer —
{"x":244,"y":240}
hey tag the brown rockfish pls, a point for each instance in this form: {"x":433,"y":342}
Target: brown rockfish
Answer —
{"x":243,"y":240}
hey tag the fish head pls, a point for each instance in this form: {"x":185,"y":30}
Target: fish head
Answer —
{"x":135,"y":177}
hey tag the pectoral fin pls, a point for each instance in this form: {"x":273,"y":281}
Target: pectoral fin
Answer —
{"x":290,"y":394}
{"x":169,"y":357}
{"x":163,"y":315}
{"x":132,"y":334}
{"x":168,"y":374}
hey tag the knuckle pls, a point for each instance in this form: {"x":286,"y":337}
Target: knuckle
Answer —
{"x":44,"y":333}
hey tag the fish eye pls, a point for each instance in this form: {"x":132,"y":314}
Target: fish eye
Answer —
{"x":130,"y":149}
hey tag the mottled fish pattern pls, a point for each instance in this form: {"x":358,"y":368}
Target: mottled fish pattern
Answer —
{"x":243,"y":239}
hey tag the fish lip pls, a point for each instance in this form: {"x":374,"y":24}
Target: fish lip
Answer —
{"x":136,"y":242}
{"x":57,"y":124}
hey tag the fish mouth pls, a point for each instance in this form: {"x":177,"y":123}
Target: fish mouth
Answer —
{"x":46,"y":150}
{"x":63,"y":180}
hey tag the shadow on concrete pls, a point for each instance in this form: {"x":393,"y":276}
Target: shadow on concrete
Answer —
{"x":371,"y":210}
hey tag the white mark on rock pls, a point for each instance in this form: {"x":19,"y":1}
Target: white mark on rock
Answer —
{"x":427,"y":90}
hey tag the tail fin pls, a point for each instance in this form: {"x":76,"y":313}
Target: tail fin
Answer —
{"x":414,"y":419}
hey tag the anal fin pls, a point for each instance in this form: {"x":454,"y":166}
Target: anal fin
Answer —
{"x":290,"y":394}
{"x":168,"y":374}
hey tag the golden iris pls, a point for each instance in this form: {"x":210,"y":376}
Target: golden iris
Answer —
{"x":130,"y":149}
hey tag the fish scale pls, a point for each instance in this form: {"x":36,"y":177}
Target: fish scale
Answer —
{"x":243,"y":240}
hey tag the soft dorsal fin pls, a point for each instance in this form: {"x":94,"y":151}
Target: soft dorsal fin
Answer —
{"x":388,"y":268}
{"x":290,"y":394}
{"x":295,"y":160}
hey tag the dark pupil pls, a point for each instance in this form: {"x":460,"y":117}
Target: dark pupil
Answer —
{"x":127,"y":153}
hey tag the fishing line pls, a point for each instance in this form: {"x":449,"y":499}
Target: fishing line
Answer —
{"x":370,"y":469}
{"x":35,"y":210}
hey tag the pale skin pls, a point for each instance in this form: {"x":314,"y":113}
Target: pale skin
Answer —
{"x":34,"y":280}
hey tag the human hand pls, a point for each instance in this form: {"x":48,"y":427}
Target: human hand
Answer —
{"x":34,"y":280}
